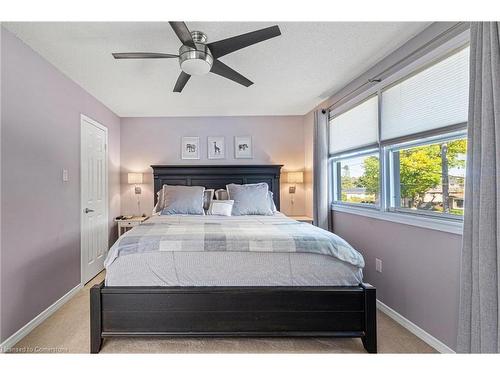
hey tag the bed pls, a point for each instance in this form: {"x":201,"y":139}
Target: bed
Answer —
{"x":257,"y":280}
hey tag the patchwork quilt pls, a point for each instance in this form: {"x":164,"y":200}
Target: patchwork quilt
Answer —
{"x":278,"y":233}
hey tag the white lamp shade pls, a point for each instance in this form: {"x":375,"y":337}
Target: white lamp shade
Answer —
{"x":135,"y":178}
{"x":295,"y":177}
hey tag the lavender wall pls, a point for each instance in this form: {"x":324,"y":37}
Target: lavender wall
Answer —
{"x":40,"y":242}
{"x":420,"y":273}
{"x":146,"y":141}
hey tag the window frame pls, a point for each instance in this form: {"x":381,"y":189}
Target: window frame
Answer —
{"x":433,"y":220}
{"x":337,"y":182}
{"x":389,"y":154}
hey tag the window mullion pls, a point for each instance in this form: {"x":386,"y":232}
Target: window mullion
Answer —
{"x":338,"y":178}
{"x":396,"y":182}
{"x":381,"y":158}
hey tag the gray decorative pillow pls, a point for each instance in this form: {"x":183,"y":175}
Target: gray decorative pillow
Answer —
{"x":183,"y":200}
{"x":250,"y":199}
{"x":208,"y":196}
{"x":221,"y":194}
{"x":159,"y":202}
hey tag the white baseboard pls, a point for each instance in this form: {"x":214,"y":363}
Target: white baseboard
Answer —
{"x":37,"y":320}
{"x":30,"y":326}
{"x":413,"y":328}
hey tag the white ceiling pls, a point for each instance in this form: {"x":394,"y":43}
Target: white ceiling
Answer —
{"x":289,"y":72}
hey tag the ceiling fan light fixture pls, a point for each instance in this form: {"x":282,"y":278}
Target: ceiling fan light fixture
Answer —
{"x":196,"y":66}
{"x":195,"y":61}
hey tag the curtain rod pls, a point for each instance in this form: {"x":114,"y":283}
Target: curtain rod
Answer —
{"x":378,"y":78}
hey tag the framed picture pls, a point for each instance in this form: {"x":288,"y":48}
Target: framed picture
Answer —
{"x":190,"y":148}
{"x":243,"y":147}
{"x":216,"y":147}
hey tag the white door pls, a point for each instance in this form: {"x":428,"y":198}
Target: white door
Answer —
{"x":94,"y":197}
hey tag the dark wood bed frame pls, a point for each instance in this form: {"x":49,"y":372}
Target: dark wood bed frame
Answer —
{"x":266,"y":311}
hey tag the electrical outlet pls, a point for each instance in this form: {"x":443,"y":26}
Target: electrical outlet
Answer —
{"x":65,"y":175}
{"x":378,"y":265}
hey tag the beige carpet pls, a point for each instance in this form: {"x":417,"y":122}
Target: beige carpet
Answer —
{"x":67,"y":331}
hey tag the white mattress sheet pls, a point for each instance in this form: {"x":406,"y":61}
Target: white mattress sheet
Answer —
{"x":231,"y":269}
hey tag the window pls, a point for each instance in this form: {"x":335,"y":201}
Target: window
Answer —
{"x":429,"y":178}
{"x":358,"y":179}
{"x":403,"y":147}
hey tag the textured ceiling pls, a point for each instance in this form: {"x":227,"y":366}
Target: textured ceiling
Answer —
{"x":290,"y":72}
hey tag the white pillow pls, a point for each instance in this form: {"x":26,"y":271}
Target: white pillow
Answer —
{"x":221,"y":207}
{"x":271,"y":202}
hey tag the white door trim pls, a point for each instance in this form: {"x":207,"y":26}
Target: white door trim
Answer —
{"x":82,"y":203}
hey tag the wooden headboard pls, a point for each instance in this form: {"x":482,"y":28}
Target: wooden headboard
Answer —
{"x":217,"y":176}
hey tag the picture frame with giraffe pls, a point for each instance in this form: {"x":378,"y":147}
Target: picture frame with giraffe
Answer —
{"x":216,"y":147}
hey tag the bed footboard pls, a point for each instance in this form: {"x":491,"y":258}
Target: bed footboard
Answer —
{"x":96,"y":318}
{"x":233,"y":312}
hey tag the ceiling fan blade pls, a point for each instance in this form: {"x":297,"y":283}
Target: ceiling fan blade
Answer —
{"x":181,"y":81}
{"x":225,"y":71}
{"x":143,"y":55}
{"x":225,"y":46}
{"x":182,"y":33}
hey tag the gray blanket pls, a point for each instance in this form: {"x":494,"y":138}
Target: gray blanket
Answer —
{"x":234,"y":233}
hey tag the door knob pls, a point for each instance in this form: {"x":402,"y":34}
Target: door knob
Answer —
{"x":87,"y":210}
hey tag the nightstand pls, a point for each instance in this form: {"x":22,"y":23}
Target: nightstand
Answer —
{"x":304,"y":219}
{"x":126,"y":224}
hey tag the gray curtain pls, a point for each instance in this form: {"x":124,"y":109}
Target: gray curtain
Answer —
{"x":479,"y":293}
{"x":320,"y":169}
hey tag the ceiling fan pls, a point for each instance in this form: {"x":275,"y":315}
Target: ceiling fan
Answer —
{"x":197,"y":57}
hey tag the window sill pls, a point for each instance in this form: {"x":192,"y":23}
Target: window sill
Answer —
{"x":443,"y":225}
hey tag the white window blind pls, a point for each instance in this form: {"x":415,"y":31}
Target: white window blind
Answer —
{"x":436,"y":97}
{"x":355,"y":128}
